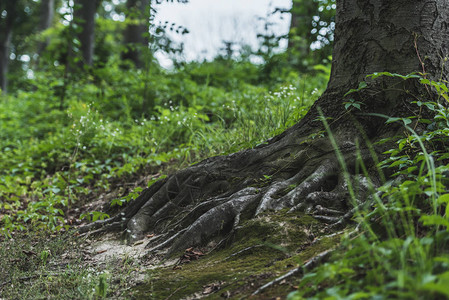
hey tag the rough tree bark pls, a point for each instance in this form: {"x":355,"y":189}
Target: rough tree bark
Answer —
{"x":135,"y":35}
{"x":85,"y":11}
{"x":209,"y":199}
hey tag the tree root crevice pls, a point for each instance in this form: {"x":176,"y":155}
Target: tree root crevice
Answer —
{"x":210,"y":198}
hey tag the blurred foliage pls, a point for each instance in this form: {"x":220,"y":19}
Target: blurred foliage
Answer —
{"x":52,"y":160}
{"x":67,"y":134}
{"x":311,"y":32}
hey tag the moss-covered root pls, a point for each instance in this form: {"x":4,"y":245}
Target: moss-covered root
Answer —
{"x":193,"y":205}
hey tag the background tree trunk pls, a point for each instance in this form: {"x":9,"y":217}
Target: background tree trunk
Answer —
{"x":311,"y":25}
{"x":5,"y":42}
{"x":298,"y":169}
{"x":301,"y":25}
{"x":85,"y":19}
{"x":7,"y":20}
{"x":135,"y":36}
{"x":46,"y":20}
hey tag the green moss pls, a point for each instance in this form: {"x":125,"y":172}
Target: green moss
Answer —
{"x":262,"y":249}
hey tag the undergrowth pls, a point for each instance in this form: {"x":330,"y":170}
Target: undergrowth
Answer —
{"x":59,"y":152}
{"x":401,"y":249}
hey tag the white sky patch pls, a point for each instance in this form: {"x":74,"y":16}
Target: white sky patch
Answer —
{"x":210,"y":22}
{"x":213,"y":22}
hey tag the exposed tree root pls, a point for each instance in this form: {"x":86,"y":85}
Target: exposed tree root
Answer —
{"x":297,"y":169}
{"x":210,"y":199}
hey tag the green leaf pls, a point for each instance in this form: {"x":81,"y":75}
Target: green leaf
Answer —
{"x":392,"y":119}
{"x":434,"y":220}
{"x":445,"y":96}
{"x":440,"y":286}
{"x":406,"y":121}
{"x":443,"y":199}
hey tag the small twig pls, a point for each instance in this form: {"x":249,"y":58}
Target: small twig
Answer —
{"x":115,"y":226}
{"x":174,"y":292}
{"x":326,"y":236}
{"x":310,"y":264}
{"x":99,"y":224}
{"x":419,"y":56}
{"x":167,"y":242}
{"x":243,"y":250}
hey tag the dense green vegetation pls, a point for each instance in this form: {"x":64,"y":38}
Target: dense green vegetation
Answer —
{"x":107,"y":131}
{"x":400,"y":247}
{"x":54,"y":160}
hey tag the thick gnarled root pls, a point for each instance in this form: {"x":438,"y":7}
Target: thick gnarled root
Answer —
{"x":207,"y":200}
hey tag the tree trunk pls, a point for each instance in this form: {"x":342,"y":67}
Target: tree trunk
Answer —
{"x":46,"y":20}
{"x":310,"y":26}
{"x":299,"y":169}
{"x":6,"y":28}
{"x":85,"y":19}
{"x":5,"y":43}
{"x":301,"y":24}
{"x":135,"y":36}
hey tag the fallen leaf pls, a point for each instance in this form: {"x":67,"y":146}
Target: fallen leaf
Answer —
{"x":211,"y":288}
{"x":29,"y":252}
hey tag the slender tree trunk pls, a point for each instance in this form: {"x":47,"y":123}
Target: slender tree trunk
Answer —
{"x":400,"y":36}
{"x":5,"y":43}
{"x":294,"y":22}
{"x":85,"y":19}
{"x":135,"y":36}
{"x":46,"y":20}
{"x":301,"y":25}
{"x":6,"y":29}
{"x":136,"y":39}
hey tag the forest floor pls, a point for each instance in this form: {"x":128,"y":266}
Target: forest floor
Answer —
{"x":68,"y":265}
{"x":60,"y":168}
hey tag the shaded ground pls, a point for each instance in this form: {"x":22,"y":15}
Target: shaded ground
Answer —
{"x":68,"y":266}
{"x":77,"y":267}
{"x":262,"y":249}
